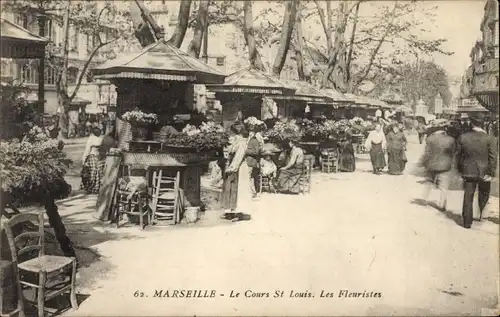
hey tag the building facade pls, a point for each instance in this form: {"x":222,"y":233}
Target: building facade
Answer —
{"x":26,"y":71}
{"x":482,"y":77}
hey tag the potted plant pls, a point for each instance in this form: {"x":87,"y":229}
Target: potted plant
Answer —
{"x":141,"y":123}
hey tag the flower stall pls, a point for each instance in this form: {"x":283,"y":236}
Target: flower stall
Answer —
{"x":155,"y":100}
{"x":245,"y":91}
{"x":305,"y":96}
{"x":341,"y":102}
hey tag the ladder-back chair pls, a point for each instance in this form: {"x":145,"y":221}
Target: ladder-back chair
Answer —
{"x":266,"y":184}
{"x":130,"y":203}
{"x":29,"y":261}
{"x":167,"y":198}
{"x":305,"y":179}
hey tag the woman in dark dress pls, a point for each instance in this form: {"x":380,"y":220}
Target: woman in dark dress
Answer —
{"x":396,"y":147}
{"x":347,"y":159}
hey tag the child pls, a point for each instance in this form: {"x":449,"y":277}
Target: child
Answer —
{"x":268,"y":168}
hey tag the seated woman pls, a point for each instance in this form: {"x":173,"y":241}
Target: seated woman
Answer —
{"x":288,"y":180}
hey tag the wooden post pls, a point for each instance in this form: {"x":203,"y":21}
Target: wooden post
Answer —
{"x":41,"y":67}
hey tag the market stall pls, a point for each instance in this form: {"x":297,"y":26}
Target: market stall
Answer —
{"x":306,"y":97}
{"x":359,"y":107}
{"x":155,"y":96}
{"x":244,"y":92}
{"x":341,"y":102}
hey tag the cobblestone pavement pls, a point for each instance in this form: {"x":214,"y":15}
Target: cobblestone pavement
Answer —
{"x":355,"y":231}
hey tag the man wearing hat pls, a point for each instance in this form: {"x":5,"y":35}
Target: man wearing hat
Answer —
{"x":438,"y":161}
{"x":477,"y":161}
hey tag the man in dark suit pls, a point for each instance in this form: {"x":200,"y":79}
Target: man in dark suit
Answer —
{"x":438,"y":161}
{"x":477,"y":161}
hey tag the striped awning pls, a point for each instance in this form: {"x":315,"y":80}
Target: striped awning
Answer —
{"x":251,"y":90}
{"x":135,"y":75}
{"x":252,"y":80}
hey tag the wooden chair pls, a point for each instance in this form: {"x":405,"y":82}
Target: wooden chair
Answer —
{"x":11,"y":296}
{"x":330,"y":161}
{"x":132,"y":204}
{"x":359,"y":142}
{"x":266,"y":184}
{"x":305,"y":179}
{"x":167,"y":198}
{"x":27,"y":264}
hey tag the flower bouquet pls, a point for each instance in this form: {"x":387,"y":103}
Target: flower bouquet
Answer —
{"x":312,"y":131}
{"x":284,"y":131}
{"x":141,"y":122}
{"x":253,"y":122}
{"x":138,"y":118}
{"x":206,"y":137}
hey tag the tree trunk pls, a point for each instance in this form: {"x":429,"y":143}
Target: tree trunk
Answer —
{"x":56,"y":223}
{"x":201,"y":23}
{"x":338,"y":46}
{"x":182,"y":24}
{"x":286,"y":36}
{"x":326,"y":28}
{"x":253,"y":54}
{"x":374,"y":53}
{"x":62,"y":82}
{"x":299,"y":48}
{"x":348,"y":78}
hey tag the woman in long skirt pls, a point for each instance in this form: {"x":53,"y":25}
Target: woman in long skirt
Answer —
{"x":289,"y":176}
{"x":93,"y":165}
{"x":376,"y":144}
{"x":236,"y":191}
{"x":396,"y":147}
{"x":347,"y":159}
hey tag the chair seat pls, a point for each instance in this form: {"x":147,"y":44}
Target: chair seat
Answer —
{"x":48,"y":263}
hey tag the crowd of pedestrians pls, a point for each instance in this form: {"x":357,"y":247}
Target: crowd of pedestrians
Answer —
{"x":474,"y":155}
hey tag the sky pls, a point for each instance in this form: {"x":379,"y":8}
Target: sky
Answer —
{"x":459,"y":22}
{"x":456,"y":20}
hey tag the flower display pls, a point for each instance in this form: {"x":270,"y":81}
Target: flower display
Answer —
{"x":284,"y":130}
{"x":312,"y":131}
{"x":253,"y":121}
{"x":208,"y":136}
{"x":211,"y":127}
{"x":191,"y":130}
{"x":137,"y":117}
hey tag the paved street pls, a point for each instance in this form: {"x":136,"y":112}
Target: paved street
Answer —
{"x":357,"y":232}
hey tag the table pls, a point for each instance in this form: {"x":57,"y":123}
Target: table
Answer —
{"x":189,"y":165}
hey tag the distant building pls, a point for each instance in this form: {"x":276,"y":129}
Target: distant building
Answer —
{"x":482,"y":77}
{"x":26,"y":71}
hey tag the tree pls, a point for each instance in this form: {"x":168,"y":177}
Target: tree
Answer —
{"x":248,"y":31}
{"x":377,"y":43}
{"x":298,"y":45}
{"x":424,"y":80}
{"x":199,"y":29}
{"x":182,"y":24}
{"x":286,"y":36}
